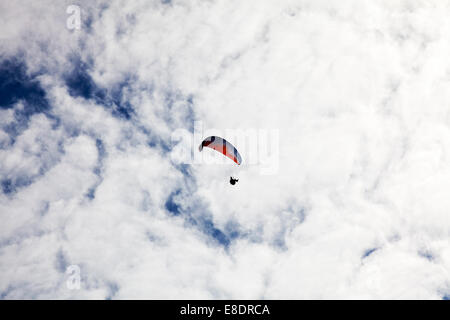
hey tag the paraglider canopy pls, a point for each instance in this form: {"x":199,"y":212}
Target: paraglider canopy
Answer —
{"x":223,"y":146}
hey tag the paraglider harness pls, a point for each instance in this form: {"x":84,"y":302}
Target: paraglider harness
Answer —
{"x":233,"y":181}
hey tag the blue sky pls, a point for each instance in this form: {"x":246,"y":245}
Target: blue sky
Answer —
{"x":357,"y":208}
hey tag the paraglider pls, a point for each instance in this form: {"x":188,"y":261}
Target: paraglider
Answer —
{"x":221,"y":145}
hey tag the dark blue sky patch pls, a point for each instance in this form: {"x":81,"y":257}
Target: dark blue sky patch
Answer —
{"x":61,"y":261}
{"x":11,"y":185}
{"x":302,"y":215}
{"x":113,"y":288}
{"x":90,"y":194}
{"x":232,"y":229}
{"x":7,"y":186}
{"x":100,"y":147}
{"x":165,"y":147}
{"x":119,"y":103}
{"x":153,"y":142}
{"x":280,"y":242}
{"x":123,"y":110}
{"x":81,"y":84}
{"x":101,"y":152}
{"x":16,"y":85}
{"x":368,"y":252}
{"x":56,"y":122}
{"x":5,"y":293}
{"x":208,"y":227}
{"x":87,"y":20}
{"x":197,"y":216}
{"x":171,"y":204}
{"x":426,"y":254}
{"x":184,"y":168}
{"x":97,"y":170}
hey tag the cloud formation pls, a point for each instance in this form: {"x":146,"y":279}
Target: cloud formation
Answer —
{"x":357,"y":209}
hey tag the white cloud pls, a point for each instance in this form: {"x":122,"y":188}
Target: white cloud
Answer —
{"x":357,"y":209}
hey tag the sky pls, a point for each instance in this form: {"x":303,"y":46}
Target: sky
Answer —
{"x":346,"y":196}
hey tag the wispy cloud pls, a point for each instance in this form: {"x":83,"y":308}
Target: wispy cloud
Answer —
{"x":357,"y":209}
